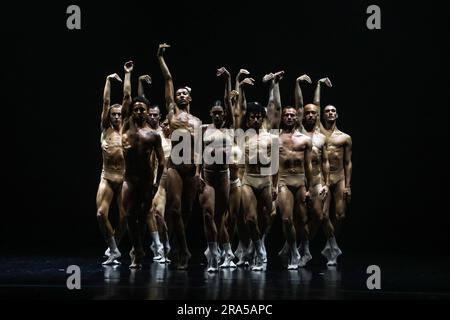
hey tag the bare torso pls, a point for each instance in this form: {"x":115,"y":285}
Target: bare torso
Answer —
{"x":184,"y":122}
{"x":138,"y":145}
{"x":256,"y":145}
{"x":336,"y":143}
{"x":217,"y":141}
{"x":113,"y":160}
{"x":292,"y":151}
{"x":318,"y":142}
{"x":236,"y":155}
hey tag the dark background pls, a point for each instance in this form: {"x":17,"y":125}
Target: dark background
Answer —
{"x":389,"y":87}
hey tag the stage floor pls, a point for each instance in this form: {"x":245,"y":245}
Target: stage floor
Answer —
{"x":45,"y":277}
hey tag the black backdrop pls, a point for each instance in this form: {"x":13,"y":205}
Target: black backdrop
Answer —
{"x":389,"y":86}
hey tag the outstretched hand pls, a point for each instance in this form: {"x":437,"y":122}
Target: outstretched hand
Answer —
{"x":234,"y":94}
{"x":114,"y":76}
{"x":278,"y":76}
{"x":128,"y":66}
{"x":326,"y":81}
{"x":162,"y":47}
{"x":304,"y":77}
{"x":249,"y":81}
{"x":146,"y":78}
{"x":268,"y":77}
{"x":222,"y":71}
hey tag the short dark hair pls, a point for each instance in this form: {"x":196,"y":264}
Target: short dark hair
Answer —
{"x":141,"y":99}
{"x":254,"y":107}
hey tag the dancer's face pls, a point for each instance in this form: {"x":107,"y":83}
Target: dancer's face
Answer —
{"x":310,"y":114}
{"x":182,"y":97}
{"x":330,"y":113}
{"x":154,"y":116}
{"x":217,"y":115}
{"x":140,"y":112}
{"x":289,"y":116}
{"x":115,"y":116}
{"x":255,"y":120}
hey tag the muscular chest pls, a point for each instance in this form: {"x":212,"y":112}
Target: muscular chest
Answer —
{"x":216,"y":137}
{"x":336,"y":144}
{"x":292,"y":145}
{"x":259,"y":142}
{"x":111,"y":140}
{"x":137,"y":141}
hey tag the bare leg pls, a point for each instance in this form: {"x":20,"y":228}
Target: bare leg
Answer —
{"x":291,"y":256}
{"x":104,"y":197}
{"x":222,"y":192}
{"x":317,"y":216}
{"x":159,"y":203}
{"x":237,"y":214}
{"x":340,"y":206}
{"x":122,"y":227}
{"x":300,"y":198}
{"x":131,"y":204}
{"x":174,"y":217}
{"x":156,"y":245}
{"x":250,"y":212}
{"x":265,"y":209}
{"x":207,"y":200}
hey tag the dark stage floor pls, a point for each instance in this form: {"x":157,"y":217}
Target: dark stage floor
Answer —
{"x":44,"y":277}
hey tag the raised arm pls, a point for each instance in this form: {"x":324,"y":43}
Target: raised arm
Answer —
{"x":169,"y":91}
{"x":238,"y":76}
{"x":107,"y":100}
{"x":126,"y":102}
{"x":299,"y":96}
{"x":348,"y":167}
{"x":143,"y":79}
{"x":274,"y":104}
{"x":227,"y":96}
{"x":160,"y":157}
{"x":316,"y":101}
{"x":242,"y":102}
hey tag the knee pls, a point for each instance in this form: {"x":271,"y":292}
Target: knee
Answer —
{"x":102,"y":215}
{"x":287,"y":221}
{"x":319,"y":216}
{"x":250,"y":219}
{"x":208,"y":216}
{"x":158,"y":214}
{"x":175,"y":206}
{"x":340,"y":215}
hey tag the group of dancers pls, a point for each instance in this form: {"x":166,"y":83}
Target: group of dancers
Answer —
{"x":250,"y":163}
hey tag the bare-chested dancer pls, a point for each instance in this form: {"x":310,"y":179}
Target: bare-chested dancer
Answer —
{"x":218,"y":141}
{"x":155,"y":219}
{"x":339,"y":147}
{"x":320,"y":180}
{"x":183,"y":177}
{"x":112,"y":173}
{"x":237,"y":218}
{"x":295,"y":171}
{"x":259,"y":176}
{"x":139,"y":141}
